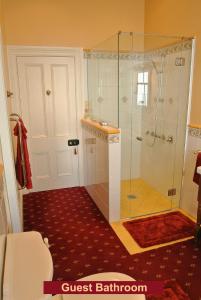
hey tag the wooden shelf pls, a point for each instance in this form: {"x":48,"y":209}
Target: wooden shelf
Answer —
{"x":192,"y":125}
{"x":105,"y":129}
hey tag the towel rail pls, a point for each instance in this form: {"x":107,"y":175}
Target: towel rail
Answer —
{"x":16,"y":118}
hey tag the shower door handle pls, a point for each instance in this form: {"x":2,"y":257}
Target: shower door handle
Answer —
{"x":139,"y":138}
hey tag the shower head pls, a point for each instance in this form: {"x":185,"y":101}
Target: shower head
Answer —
{"x":154,"y":66}
{"x":158,"y":71}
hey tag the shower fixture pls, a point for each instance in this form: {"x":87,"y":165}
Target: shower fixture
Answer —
{"x":159,"y":69}
{"x":179,"y":61}
{"x":162,"y":137}
{"x":161,"y":64}
{"x":155,"y":68}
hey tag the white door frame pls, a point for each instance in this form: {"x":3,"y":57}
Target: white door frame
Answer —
{"x":7,"y":153}
{"x":77,"y":54}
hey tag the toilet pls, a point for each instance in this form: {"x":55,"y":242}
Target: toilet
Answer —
{"x":25,"y":262}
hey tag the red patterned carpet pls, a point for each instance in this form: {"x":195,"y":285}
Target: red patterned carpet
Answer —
{"x":162,"y":228}
{"x":83,"y":243}
{"x":172,"y":291}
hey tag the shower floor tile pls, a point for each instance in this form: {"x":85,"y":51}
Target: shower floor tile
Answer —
{"x":139,"y":199}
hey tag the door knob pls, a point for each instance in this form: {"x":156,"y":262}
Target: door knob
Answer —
{"x":48,"y":92}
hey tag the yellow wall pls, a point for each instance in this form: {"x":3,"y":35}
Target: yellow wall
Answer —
{"x":4,"y":50}
{"x":2,"y":22}
{"x":85,"y":23}
{"x":4,"y":54}
{"x":0,"y":12}
{"x":0,"y":28}
{"x":82,"y":23}
{"x":183,"y":18}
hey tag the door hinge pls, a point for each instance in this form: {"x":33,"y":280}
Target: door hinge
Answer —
{"x":172,"y":192}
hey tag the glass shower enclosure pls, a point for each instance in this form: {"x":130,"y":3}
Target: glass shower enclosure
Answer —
{"x":140,"y":84}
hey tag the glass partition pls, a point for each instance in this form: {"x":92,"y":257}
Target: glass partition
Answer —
{"x":140,"y":83}
{"x":102,"y":70}
{"x":154,"y":74}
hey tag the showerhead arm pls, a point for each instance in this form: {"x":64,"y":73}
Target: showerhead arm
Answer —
{"x":154,"y":65}
{"x":162,"y":65}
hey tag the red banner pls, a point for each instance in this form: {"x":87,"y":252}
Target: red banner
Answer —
{"x":103,"y":287}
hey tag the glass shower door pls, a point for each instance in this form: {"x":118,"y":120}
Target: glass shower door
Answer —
{"x":155,"y":185}
{"x":153,"y":134}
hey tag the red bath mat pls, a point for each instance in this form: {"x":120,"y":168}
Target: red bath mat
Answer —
{"x":160,"y":229}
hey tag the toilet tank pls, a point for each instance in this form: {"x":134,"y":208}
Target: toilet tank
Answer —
{"x":27,"y":263}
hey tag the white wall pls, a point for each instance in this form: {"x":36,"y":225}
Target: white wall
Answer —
{"x":102,"y":170}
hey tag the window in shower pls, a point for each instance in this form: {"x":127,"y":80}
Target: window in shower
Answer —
{"x":142,"y":88}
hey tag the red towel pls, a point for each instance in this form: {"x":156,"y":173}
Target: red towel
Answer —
{"x":18,"y":164}
{"x":196,"y":177}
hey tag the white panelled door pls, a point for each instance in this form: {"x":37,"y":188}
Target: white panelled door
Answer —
{"x":48,"y":106}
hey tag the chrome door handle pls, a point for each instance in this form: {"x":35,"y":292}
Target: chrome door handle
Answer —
{"x":139,"y":138}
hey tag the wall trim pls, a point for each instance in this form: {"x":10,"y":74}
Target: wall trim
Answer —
{"x":195,"y":131}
